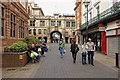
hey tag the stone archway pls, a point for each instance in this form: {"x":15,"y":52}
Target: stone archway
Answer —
{"x":55,"y":36}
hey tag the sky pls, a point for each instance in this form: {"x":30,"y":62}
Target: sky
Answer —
{"x":50,"y":7}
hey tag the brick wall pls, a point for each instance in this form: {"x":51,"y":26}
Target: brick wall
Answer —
{"x":20,"y":14}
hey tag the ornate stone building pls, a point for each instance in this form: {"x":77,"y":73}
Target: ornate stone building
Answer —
{"x":53,"y":27}
{"x":13,"y":21}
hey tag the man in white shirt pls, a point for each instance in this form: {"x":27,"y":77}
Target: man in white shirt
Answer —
{"x":91,"y":49}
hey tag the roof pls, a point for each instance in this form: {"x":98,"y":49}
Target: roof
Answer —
{"x":39,"y":9}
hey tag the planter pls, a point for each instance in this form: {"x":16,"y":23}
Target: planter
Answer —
{"x":14,"y":59}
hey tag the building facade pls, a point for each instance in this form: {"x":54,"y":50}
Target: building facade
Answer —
{"x":78,"y":19}
{"x":51,"y":28}
{"x":14,"y":21}
{"x":103,"y":25}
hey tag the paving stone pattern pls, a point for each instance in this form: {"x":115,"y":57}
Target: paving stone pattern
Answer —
{"x":52,"y":66}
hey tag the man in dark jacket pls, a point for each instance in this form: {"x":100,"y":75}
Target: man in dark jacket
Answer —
{"x":74,"y":49}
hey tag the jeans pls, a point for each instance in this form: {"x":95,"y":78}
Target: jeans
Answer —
{"x":90,"y":57}
{"x":83,"y":59}
{"x":61,"y":51}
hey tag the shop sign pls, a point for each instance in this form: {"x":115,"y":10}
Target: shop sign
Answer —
{"x":101,"y":28}
{"x":111,"y":32}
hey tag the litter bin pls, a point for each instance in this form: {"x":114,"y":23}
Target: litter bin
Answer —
{"x":117,"y":60}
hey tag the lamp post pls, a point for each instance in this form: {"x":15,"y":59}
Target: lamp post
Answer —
{"x":86,"y":4}
{"x":34,"y":26}
{"x":49,"y":29}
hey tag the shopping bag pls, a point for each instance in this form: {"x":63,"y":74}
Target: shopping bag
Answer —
{"x":64,"y":51}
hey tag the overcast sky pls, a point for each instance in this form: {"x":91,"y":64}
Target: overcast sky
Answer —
{"x":50,"y":7}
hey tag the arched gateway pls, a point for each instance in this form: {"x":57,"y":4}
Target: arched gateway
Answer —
{"x":55,"y":36}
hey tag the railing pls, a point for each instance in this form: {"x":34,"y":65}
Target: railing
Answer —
{"x":114,"y":9}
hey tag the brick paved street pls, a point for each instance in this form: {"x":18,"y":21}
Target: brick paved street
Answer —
{"x":52,"y":66}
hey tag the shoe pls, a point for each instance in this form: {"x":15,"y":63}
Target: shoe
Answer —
{"x":74,"y":61}
{"x":43,"y":55}
{"x":61,"y":56}
{"x":92,"y":64}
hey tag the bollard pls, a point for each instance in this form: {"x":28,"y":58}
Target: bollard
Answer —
{"x":117,"y":60}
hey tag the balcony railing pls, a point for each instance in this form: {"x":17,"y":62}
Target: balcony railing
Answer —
{"x":110,"y":11}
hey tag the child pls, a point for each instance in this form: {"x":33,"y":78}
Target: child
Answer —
{"x":84,"y":52}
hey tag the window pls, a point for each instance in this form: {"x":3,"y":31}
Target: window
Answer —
{"x":73,"y":33}
{"x":2,"y":22}
{"x":98,"y":10}
{"x":12,"y":25}
{"x":67,"y":24}
{"x":73,"y":24}
{"x":39,"y":31}
{"x":90,"y":15}
{"x":114,"y":1}
{"x":32,"y":23}
{"x":42,"y":23}
{"x":21,"y":29}
{"x":34,"y":31}
{"x":58,"y":23}
{"x":30,"y":31}
{"x":52,"y":23}
{"x":45,"y":31}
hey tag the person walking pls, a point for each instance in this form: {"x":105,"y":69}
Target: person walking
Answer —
{"x":61,"y":47}
{"x":91,"y":49}
{"x":84,"y":52}
{"x":74,"y":49}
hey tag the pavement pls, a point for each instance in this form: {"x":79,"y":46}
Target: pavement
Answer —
{"x":52,"y":66}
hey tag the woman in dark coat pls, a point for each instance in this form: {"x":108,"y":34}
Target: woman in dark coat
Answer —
{"x":74,"y":49}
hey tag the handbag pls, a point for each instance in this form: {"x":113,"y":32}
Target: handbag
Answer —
{"x":76,"y":48}
{"x":39,"y":49}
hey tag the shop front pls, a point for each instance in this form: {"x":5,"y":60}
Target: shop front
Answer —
{"x":98,"y":36}
{"x":113,"y":35}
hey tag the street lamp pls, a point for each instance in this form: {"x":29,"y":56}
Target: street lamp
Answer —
{"x":34,"y":26}
{"x":86,"y":3}
{"x":49,"y":29}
